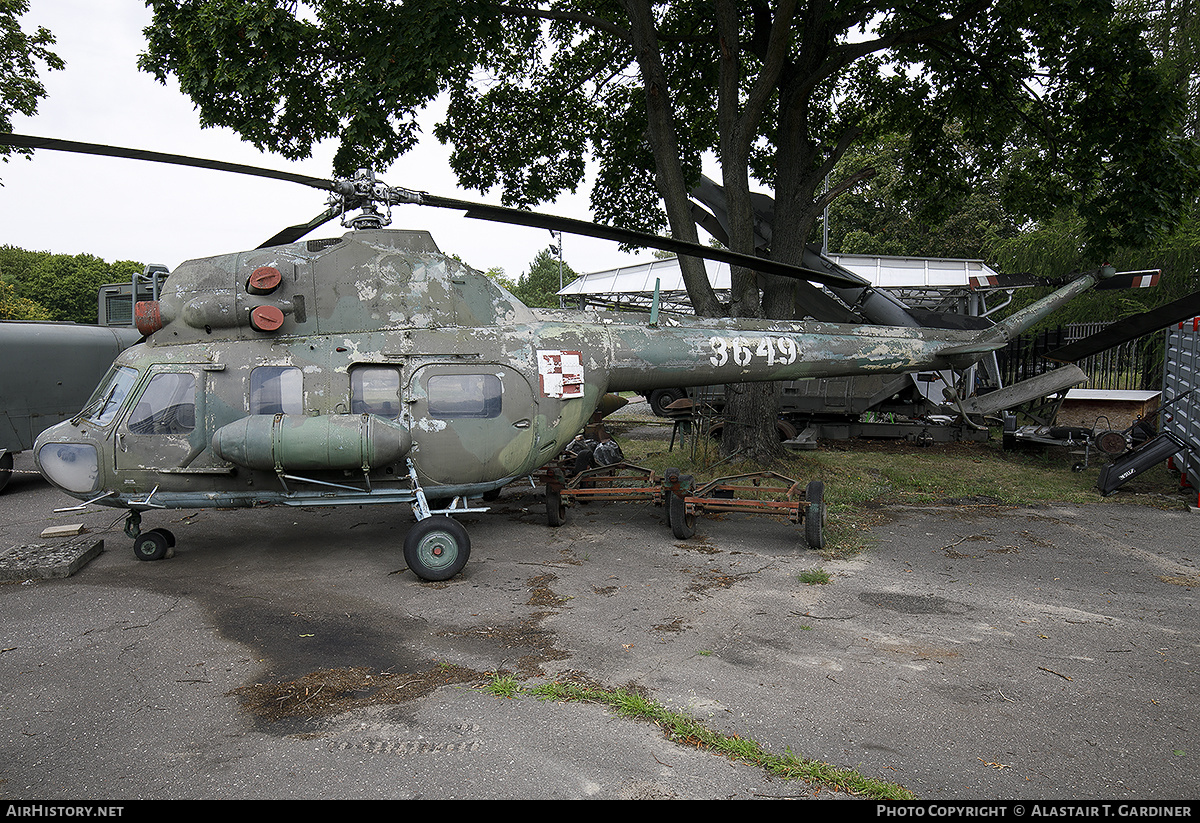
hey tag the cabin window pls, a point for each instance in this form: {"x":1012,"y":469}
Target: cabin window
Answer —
{"x":464,"y":395}
{"x":167,"y":405}
{"x":375,"y":390}
{"x":276,"y":390}
{"x":109,"y":395}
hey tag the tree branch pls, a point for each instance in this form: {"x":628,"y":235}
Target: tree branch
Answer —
{"x":590,"y":20}
{"x":841,"y":188}
{"x":842,"y":56}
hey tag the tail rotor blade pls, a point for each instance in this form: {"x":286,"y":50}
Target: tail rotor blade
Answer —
{"x":1132,"y":280}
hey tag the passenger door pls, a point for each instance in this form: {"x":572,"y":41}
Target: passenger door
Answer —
{"x":471,"y":423}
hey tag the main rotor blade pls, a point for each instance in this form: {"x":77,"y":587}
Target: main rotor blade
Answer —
{"x":1129,"y":329}
{"x":29,"y":142}
{"x":520,"y":217}
{"x":293,"y":233}
{"x":479,"y":211}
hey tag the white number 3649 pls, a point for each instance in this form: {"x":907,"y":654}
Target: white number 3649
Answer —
{"x":745,"y":350}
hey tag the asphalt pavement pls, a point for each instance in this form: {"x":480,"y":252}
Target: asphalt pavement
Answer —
{"x":973,"y":653}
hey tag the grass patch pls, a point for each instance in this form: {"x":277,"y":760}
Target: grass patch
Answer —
{"x":687,"y":731}
{"x":503,"y":686}
{"x":815,"y":577}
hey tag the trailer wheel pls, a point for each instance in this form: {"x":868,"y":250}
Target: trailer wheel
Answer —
{"x":1008,"y":440}
{"x":814,"y":518}
{"x":683,"y":524}
{"x":556,"y":509}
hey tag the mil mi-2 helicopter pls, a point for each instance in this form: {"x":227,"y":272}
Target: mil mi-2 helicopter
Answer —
{"x":372,"y":368}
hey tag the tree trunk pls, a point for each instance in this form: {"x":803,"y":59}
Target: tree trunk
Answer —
{"x":664,"y":144}
{"x":750,"y":433}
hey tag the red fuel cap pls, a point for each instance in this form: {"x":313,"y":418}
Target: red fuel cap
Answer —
{"x":264,"y":280}
{"x":266,"y":318}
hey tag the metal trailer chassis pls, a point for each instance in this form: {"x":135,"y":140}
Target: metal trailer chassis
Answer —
{"x":764,"y":493}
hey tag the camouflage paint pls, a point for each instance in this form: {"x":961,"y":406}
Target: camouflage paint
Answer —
{"x":390,"y":299}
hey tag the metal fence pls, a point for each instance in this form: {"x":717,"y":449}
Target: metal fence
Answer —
{"x":1135,"y":364}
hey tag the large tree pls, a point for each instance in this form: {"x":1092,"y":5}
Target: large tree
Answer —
{"x":1059,"y":101}
{"x":21,"y":54}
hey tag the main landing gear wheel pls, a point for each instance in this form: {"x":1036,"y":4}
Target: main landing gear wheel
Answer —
{"x":814,"y":518}
{"x":155,"y":544}
{"x":437,"y":548}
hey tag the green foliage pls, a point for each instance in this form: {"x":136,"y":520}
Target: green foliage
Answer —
{"x":1054,"y":103}
{"x":538,"y":287}
{"x":20,"y":56}
{"x":815,"y":577}
{"x":882,"y":216}
{"x":688,"y":731}
{"x":284,"y":79}
{"x":18,"y":308}
{"x":60,"y":287}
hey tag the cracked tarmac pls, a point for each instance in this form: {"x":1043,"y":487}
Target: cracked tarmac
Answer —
{"x":975,"y":652}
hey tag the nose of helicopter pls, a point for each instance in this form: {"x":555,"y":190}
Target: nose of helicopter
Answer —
{"x":66,"y":458}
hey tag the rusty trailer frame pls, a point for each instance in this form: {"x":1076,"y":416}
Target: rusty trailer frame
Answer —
{"x":756,"y":493}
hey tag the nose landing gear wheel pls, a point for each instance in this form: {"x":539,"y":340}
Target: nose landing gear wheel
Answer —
{"x":155,"y":544}
{"x":437,"y":548}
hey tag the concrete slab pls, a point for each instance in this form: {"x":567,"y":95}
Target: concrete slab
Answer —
{"x":46,"y":560}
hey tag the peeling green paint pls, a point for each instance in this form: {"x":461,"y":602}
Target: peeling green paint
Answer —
{"x":316,"y":316}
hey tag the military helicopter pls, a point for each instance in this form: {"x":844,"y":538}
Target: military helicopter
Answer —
{"x":373,"y":368}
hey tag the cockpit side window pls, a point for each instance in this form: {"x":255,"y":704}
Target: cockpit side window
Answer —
{"x":167,"y":405}
{"x":375,"y":390}
{"x":477,"y":396}
{"x":109,"y":395}
{"x":276,"y":390}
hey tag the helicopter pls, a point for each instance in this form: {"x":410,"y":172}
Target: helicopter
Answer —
{"x":373,"y":368}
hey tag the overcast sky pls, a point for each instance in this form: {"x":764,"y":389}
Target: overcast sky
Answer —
{"x":129,"y":210}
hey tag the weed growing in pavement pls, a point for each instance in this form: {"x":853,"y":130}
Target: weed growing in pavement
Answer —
{"x":687,"y":731}
{"x":814,"y":577}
